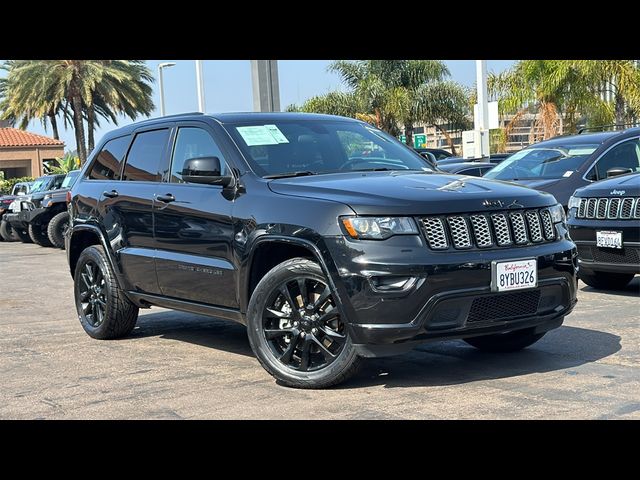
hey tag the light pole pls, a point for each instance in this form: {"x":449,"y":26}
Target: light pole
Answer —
{"x":160,"y":67}
{"x":482,"y":122}
{"x":200,"y":85}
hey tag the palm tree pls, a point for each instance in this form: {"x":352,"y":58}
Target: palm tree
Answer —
{"x":64,"y":164}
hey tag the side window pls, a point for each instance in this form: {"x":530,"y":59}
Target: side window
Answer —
{"x":57,"y":182}
{"x":145,"y":155}
{"x":193,"y":142}
{"x":624,"y":155}
{"x":108,"y":162}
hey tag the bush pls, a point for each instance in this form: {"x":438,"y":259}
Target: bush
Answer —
{"x":7,"y":185}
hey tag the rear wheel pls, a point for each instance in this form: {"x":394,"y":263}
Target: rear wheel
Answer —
{"x":505,"y":342}
{"x":8,"y":233}
{"x":103,"y":309}
{"x":606,"y":280}
{"x":38,"y":234}
{"x":57,"y":229}
{"x":23,"y":235}
{"x":296,"y":330}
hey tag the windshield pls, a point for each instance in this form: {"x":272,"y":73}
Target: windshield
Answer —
{"x":70,"y":179}
{"x":40,"y":184}
{"x":538,"y":162}
{"x":309,"y":147}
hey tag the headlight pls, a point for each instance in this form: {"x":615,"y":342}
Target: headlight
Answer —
{"x":574,"y":202}
{"x":557,"y":213}
{"x":378,"y":228}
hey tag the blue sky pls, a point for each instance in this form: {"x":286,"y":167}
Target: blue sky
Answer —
{"x":228,"y":86}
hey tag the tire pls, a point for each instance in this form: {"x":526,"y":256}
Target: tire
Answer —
{"x":38,"y":234}
{"x":606,"y":280}
{"x":8,"y":233}
{"x":302,"y":364}
{"x":505,"y":342}
{"x":57,"y":228}
{"x":118,"y":314}
{"x":23,"y":235}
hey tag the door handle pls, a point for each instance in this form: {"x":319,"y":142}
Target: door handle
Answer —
{"x":111,"y":194}
{"x":168,"y":198}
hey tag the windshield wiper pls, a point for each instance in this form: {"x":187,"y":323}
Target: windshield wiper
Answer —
{"x":303,"y":173}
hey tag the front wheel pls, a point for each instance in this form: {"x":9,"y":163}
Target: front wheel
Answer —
{"x":505,"y":342}
{"x":38,"y":234}
{"x":606,"y":280}
{"x":57,"y":229}
{"x":7,"y":232}
{"x":295,"y":328}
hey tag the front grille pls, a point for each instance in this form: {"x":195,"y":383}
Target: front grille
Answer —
{"x":611,"y":208}
{"x":500,"y":229}
{"x":628,"y":255}
{"x":504,"y":305}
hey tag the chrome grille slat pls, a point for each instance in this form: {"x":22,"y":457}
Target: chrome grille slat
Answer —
{"x":481,"y":231}
{"x":519,"y":229}
{"x":535,"y":230}
{"x":582,"y":208}
{"x":547,"y":225}
{"x":591,"y":207}
{"x":626,"y":208}
{"x":459,"y":232}
{"x":614,"y":208}
{"x":601,"y":210}
{"x":501,"y":229}
{"x":636,"y":210}
{"x":434,"y":230}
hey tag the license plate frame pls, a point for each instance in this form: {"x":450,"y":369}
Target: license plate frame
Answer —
{"x":495,"y":284}
{"x":604,"y":234}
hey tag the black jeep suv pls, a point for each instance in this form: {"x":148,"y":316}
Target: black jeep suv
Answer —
{"x":327,"y":237}
{"x":604,"y":221}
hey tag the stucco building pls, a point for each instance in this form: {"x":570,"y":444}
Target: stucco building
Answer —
{"x":22,"y":152}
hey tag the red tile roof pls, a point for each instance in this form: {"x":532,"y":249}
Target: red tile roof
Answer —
{"x":12,"y":137}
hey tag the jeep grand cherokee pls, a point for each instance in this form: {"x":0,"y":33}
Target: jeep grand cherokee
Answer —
{"x":329,"y":239}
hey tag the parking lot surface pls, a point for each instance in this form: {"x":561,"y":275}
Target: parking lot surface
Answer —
{"x":177,"y":365}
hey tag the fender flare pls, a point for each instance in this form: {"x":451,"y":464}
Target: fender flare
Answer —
{"x":85,"y":227}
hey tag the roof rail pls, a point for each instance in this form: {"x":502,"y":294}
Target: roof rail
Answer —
{"x":600,"y":128}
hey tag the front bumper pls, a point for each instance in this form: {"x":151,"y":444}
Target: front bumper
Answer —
{"x":449,"y":294}
{"x":24,"y":217}
{"x":592,"y":258}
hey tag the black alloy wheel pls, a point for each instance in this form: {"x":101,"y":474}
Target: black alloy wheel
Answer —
{"x":93,"y":294}
{"x":302,"y":325}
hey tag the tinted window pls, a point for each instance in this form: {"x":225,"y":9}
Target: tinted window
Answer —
{"x":624,"y":155}
{"x":56,"y":182}
{"x":70,"y":179}
{"x":474,"y":172}
{"x":145,"y":155}
{"x":321,"y":146}
{"x":108,"y":162}
{"x":192,"y":142}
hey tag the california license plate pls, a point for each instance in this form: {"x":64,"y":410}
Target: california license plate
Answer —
{"x":607,"y":239}
{"x":514,"y":275}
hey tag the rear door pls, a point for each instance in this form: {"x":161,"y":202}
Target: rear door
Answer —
{"x":126,"y":207}
{"x":193,"y":226}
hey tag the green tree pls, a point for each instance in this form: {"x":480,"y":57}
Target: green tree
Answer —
{"x":64,"y":164}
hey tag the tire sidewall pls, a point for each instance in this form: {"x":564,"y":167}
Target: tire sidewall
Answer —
{"x":55,"y":229}
{"x":92,"y":254}
{"x":287,"y":271}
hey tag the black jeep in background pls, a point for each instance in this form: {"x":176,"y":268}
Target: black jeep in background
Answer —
{"x":604,"y":222}
{"x":327,"y":237}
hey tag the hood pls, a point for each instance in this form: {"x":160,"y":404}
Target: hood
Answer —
{"x":538,"y":183}
{"x":411,"y":193}
{"x":622,"y":186}
{"x":41,"y":195}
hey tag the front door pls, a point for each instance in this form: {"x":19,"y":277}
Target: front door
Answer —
{"x":193,"y":228}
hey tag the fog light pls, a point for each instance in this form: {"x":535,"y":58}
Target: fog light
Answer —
{"x":392,"y":283}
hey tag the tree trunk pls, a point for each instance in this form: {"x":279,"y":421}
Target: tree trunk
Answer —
{"x":408,"y":132}
{"x":620,"y":109}
{"x":378,"y":118}
{"x":448,"y":138}
{"x":91,"y":116}
{"x":76,"y":104}
{"x":54,"y":125}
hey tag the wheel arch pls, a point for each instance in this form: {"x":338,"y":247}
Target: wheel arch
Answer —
{"x":84,"y":236}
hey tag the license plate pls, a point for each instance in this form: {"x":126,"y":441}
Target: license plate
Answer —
{"x":514,"y":275}
{"x":609,"y":239}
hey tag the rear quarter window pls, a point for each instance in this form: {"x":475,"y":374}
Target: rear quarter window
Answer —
{"x":108,"y":162}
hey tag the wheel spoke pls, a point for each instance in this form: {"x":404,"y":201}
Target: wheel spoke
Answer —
{"x":284,"y":290}
{"x":302,"y":286}
{"x":288,"y":353}
{"x":326,"y":293}
{"x":332,"y":334}
{"x":272,"y":313}
{"x":85,"y":280}
{"x":102,"y":303}
{"x":328,"y":316}
{"x":328,"y":355}
{"x":86,"y":308}
{"x":99,"y":315}
{"x":84,"y":295}
{"x":89,"y":272}
{"x":305,"y":354}
{"x":272,"y":333}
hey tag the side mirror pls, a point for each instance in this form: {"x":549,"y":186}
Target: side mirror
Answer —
{"x":615,"y":171}
{"x":205,"y":170}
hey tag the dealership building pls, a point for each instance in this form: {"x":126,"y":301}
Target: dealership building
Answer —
{"x":22,"y":153}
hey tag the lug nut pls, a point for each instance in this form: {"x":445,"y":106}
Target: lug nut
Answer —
{"x":295,"y":324}
{"x":314,"y":330}
{"x":302,"y":334}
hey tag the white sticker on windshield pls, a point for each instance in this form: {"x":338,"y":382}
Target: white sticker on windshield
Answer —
{"x":568,"y":173}
{"x":256,"y":135}
{"x":276,"y":133}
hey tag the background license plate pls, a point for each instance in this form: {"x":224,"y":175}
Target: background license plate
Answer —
{"x":609,"y":239}
{"x":514,"y":275}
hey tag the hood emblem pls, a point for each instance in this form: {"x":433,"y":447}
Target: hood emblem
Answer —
{"x":617,"y":192}
{"x":493,"y":203}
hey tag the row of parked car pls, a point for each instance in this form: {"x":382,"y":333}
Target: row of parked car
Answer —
{"x":37,"y":211}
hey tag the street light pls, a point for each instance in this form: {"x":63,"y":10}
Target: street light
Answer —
{"x":160,"y":67}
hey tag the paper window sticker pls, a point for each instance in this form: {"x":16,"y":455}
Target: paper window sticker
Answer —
{"x":257,"y":135}
{"x":276,"y":133}
{"x":568,"y":173}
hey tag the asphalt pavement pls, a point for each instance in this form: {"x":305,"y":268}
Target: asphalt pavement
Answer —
{"x":177,"y":365}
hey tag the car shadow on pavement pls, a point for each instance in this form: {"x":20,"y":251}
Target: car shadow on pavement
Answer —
{"x":455,"y":362}
{"x":631,"y":290}
{"x":197,"y":329}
